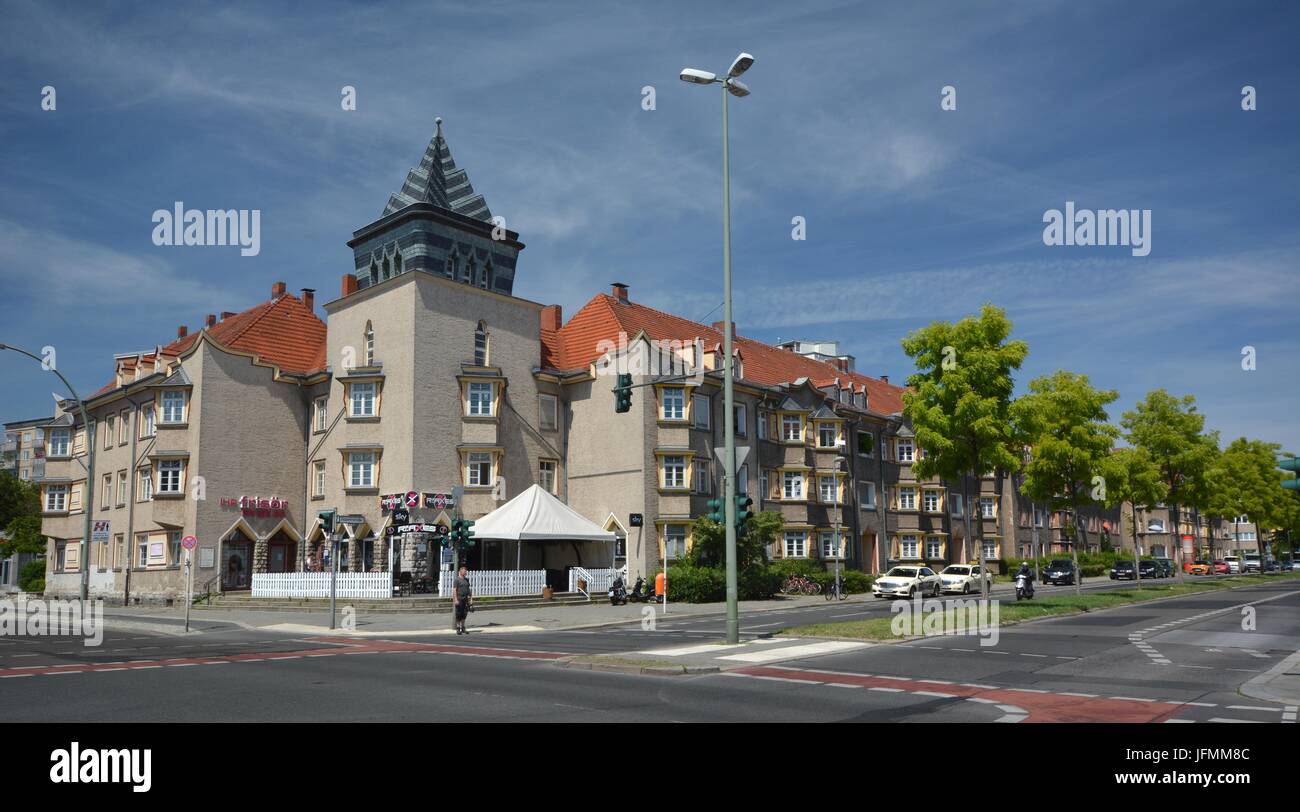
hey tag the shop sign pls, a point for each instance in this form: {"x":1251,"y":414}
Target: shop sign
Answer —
{"x":257,"y":505}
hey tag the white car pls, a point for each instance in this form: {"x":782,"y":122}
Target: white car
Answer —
{"x":963,"y":578}
{"x":1233,"y":562}
{"x":904,"y":582}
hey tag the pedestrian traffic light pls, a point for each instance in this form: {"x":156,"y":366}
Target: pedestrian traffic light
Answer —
{"x":715,"y":511}
{"x":623,"y":394}
{"x":1291,"y":464}
{"x":327,"y":521}
{"x":744,"y":511}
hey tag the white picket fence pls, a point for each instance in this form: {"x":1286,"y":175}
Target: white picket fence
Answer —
{"x":598,"y":580}
{"x":317,"y":585}
{"x":497,"y":582}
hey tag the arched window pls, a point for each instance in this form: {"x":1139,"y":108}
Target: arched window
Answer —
{"x":481,"y":345}
{"x":471,"y":271}
{"x":397,"y":262}
{"x":386,"y":269}
{"x":374,"y":274}
{"x":486,"y":281}
{"x":451,"y":266}
{"x":370,"y":345}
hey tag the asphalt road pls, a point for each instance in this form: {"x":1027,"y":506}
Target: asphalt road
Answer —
{"x":1175,"y":660}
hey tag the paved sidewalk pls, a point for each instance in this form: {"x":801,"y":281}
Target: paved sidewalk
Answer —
{"x":1281,"y":683}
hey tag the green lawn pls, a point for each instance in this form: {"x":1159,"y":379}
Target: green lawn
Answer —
{"x":1040,"y":606}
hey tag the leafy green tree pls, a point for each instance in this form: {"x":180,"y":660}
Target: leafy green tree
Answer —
{"x":20,"y":516}
{"x":1169,"y":430}
{"x":709,"y":541}
{"x":959,"y":401}
{"x":1063,"y":420}
{"x":1243,"y":481}
{"x":1134,"y":480}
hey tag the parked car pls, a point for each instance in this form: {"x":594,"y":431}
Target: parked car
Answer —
{"x":1060,"y":571}
{"x":1233,"y":562}
{"x":1166,"y":567}
{"x":1251,"y":563}
{"x":1289,"y":566}
{"x":1197,"y":567}
{"x":1123,"y":570}
{"x":904,"y":582}
{"x":963,"y":578}
{"x":1222,"y":568}
{"x":1149,"y":570}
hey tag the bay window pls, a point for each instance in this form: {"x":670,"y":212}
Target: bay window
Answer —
{"x":479,"y":473}
{"x":170,"y":475}
{"x":361,"y":400}
{"x":361,"y":469}
{"x":674,"y":472}
{"x":173,"y":407}
{"x":480,"y":400}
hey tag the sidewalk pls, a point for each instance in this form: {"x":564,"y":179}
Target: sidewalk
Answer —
{"x":1281,"y":684}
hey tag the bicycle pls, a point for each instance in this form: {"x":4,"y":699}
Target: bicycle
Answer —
{"x":836,"y":590}
{"x":799,"y":585}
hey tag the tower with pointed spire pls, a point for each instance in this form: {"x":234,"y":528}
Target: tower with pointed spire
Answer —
{"x":437,"y":223}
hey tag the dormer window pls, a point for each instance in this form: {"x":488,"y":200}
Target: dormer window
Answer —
{"x":450,"y":269}
{"x":471,"y":271}
{"x":387,"y":270}
{"x":397,"y":262}
{"x":374,"y":274}
{"x":486,"y":281}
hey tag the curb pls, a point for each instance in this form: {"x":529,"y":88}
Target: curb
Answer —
{"x":1261,"y":687}
{"x":646,"y":670}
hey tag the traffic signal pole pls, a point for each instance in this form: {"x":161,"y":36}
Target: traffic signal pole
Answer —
{"x":728,"y":396}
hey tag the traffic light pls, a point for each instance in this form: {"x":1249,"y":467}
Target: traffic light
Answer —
{"x":461,"y":535}
{"x":623,"y":394}
{"x":327,"y":521}
{"x":1291,"y":464}
{"x":744,"y":511}
{"x":715,"y":511}
{"x":466,"y":532}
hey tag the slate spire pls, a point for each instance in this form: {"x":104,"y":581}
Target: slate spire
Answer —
{"x":437,"y":180}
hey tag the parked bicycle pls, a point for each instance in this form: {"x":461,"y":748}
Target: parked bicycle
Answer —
{"x":799,"y":585}
{"x":836,"y":589}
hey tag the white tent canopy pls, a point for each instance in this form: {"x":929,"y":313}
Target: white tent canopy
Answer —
{"x":536,"y":515}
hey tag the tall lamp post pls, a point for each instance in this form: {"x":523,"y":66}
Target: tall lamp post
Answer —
{"x":88,"y":497}
{"x":731,"y":86}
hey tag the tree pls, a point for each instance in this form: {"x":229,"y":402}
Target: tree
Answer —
{"x":960,"y":398}
{"x":1169,"y":430}
{"x":709,"y":541}
{"x":1243,"y":481}
{"x":20,"y":517}
{"x":1133,"y":479}
{"x":1063,"y":420}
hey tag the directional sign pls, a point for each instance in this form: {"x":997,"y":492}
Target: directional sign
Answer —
{"x":189,"y":542}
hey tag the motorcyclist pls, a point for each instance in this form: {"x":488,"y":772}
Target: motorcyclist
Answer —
{"x":1028,"y":575}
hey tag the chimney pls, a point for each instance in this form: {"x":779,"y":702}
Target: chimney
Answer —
{"x":349,"y":284}
{"x":278,"y":289}
{"x":182,"y":331}
{"x":309,"y":299}
{"x":212,"y":320}
{"x":619,"y":291}
{"x":717,"y":325}
{"x":884,"y":378}
{"x":552,"y":317}
{"x":225,"y":314}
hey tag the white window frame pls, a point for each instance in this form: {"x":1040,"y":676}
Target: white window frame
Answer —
{"x":933,"y":548}
{"x":480,"y":398}
{"x":909,"y":543}
{"x":60,"y":443}
{"x":956,"y":504}
{"x":868,"y":497}
{"x":738,"y":410}
{"x":789,"y":479}
{"x":673,"y":471}
{"x":173,"y":404}
{"x":988,"y":507}
{"x":171,"y":476}
{"x":106,"y":497}
{"x":796,"y":544}
{"x":906,"y":450}
{"x":703,"y":477}
{"x":907,"y":498}
{"x":546,"y":474}
{"x":148,"y":421}
{"x":110,"y":431}
{"x":56,"y":498}
{"x":320,"y":420}
{"x":548,"y":405}
{"x":832,"y":497}
{"x":359,"y":405}
{"x":791,"y":422}
{"x":673,"y":403}
{"x":318,"y":478}
{"x":675,"y":541}
{"x":827,"y":539}
{"x":123,"y":483}
{"x":742,"y":480}
{"x":124,"y":427}
{"x":990,"y":550}
{"x":762,"y":424}
{"x":145,"y":476}
{"x":930,"y":497}
{"x":475,"y":477}
{"x":822,"y":428}
{"x":361,"y":469}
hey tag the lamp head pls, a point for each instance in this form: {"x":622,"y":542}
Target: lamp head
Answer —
{"x":698,"y":77}
{"x":741,"y":65}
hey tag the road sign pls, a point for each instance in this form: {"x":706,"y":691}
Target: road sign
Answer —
{"x":742,"y":451}
{"x":100,"y":531}
{"x":189,"y":542}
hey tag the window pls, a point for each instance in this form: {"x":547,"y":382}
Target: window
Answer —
{"x":826,"y":489}
{"x":907,"y":498}
{"x":1243,"y":519}
{"x":907,"y":547}
{"x":703,"y":477}
{"x":59,"y":441}
{"x":990,"y":550}
{"x":933,"y":548}
{"x":700,"y":407}
{"x":79,"y":442}
{"x":742,"y":480}
{"x":955,"y":500}
{"x":866,"y":443}
{"x":169,"y":476}
{"x":762,"y":424}
{"x":1038,"y":517}
{"x":106,"y":497}
{"x":674,"y":472}
{"x":369,"y":339}
{"x":173,"y":407}
{"x":905,"y":450}
{"x":146,"y":421}
{"x":738,"y":416}
{"x":829,"y":548}
{"x":480,"y":343}
{"x":361,"y":400}
{"x":56,"y":498}
{"x":548,"y":407}
{"x":546,"y":475}
{"x":930,"y":501}
{"x":792,"y":485}
{"x":145,"y":485}
{"x":480,"y":469}
{"x":867,"y":495}
{"x":321,"y":418}
{"x":764,"y":491}
{"x":675,"y":540}
{"x":74,"y":498}
{"x":121,"y":488}
{"x":796,"y":544}
{"x":174,"y":546}
{"x":987,"y":510}
{"x":791,"y":428}
{"x":110,"y":430}
{"x":361,"y":469}
{"x":674,"y":402}
{"x":318,"y":478}
{"x":142,"y":550}
{"x":124,"y":427}
{"x":827,"y":434}
{"x":480,"y":400}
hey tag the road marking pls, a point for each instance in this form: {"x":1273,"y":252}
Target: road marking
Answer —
{"x":1252,"y":708}
{"x":807,"y":650}
{"x":1237,"y":721}
{"x":1071,"y":693}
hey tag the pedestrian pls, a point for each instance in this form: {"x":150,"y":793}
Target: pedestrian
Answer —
{"x":462,"y":600}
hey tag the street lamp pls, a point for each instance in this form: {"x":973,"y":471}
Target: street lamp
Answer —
{"x":88,"y":500}
{"x":731,"y":87}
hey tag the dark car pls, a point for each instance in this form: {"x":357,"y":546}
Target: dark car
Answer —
{"x":1060,"y":571}
{"x":1123,"y":570}
{"x":1166,"y":566}
{"x":1149,"y":570}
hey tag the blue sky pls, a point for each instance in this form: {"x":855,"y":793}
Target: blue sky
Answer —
{"x":914,"y":213}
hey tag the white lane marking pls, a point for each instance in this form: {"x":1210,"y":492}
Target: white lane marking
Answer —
{"x":874,"y":688}
{"x":1238,"y":721}
{"x":808,"y":650}
{"x":1132,"y":698}
{"x":1252,"y":708}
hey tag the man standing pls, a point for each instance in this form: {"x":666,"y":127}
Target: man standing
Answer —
{"x":463,"y":598}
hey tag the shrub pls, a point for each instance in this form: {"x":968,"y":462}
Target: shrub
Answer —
{"x":758,"y":583}
{"x":31,"y":578}
{"x":691,"y":584}
{"x":797,"y":566}
{"x":855,"y":582}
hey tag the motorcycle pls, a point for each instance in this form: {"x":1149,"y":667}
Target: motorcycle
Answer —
{"x":1024,"y":587}
{"x":617,"y":593}
{"x":643,"y":592}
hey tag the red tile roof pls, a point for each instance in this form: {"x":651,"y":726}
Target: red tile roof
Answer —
{"x":281,"y":331}
{"x":574,"y":346}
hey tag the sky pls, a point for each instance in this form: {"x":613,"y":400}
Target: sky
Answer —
{"x":913,"y":213}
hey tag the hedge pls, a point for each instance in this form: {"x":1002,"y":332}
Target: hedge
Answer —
{"x":31,"y":578}
{"x":692,"y":584}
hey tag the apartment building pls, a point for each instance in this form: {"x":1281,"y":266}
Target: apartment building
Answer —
{"x":23,"y":452}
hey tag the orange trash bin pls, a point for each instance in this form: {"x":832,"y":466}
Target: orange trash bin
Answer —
{"x":659,"y":585}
